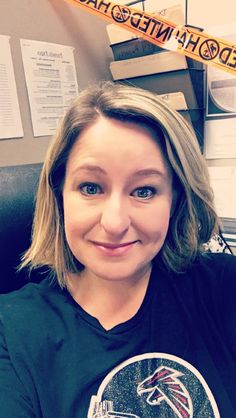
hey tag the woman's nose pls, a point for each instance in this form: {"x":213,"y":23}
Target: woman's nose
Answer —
{"x":115,"y":216}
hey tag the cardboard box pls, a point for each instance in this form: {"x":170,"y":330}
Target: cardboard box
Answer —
{"x":162,"y":62}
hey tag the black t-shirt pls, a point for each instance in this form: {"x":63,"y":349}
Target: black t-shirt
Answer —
{"x":175,"y":358}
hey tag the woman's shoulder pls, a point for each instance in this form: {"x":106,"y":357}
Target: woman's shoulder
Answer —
{"x":31,"y":299}
{"x":213,"y":276}
{"x":220,"y":263}
{"x":32,"y":317}
{"x":205,"y":265}
{"x":31,"y":288}
{"x":209,"y":273}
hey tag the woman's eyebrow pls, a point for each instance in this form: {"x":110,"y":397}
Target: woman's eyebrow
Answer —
{"x":91,"y":168}
{"x":149,"y":172}
{"x":140,"y":173}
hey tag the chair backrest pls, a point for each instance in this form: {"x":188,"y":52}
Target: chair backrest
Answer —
{"x":18,"y":186}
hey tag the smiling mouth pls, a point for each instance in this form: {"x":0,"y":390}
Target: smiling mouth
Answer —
{"x":114,"y":249}
{"x":113,"y":246}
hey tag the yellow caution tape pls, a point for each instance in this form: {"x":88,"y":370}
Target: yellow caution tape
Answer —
{"x":184,"y":40}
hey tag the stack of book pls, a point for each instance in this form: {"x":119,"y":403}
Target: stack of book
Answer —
{"x":139,"y":63}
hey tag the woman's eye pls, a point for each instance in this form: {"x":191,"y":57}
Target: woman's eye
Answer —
{"x":90,"y":188}
{"x":144,"y":192}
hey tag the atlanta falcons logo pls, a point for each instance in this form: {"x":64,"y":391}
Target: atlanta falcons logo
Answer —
{"x":164,"y":386}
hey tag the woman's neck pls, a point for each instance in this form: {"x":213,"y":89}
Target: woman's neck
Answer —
{"x":111,"y":302}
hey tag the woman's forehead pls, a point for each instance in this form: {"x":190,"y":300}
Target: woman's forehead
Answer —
{"x":116,"y":133}
{"x":111,"y":143}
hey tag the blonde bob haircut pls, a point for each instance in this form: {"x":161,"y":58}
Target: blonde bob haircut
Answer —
{"x":193,"y":220}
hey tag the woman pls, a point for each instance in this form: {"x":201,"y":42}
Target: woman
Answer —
{"x":134,"y":319}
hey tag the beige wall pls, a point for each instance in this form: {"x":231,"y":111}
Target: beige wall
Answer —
{"x":58,"y":22}
{"x":207,"y":13}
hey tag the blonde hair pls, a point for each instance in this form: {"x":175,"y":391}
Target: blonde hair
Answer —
{"x":194,"y":219}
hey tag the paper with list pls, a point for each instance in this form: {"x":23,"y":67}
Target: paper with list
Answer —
{"x":223,"y":182}
{"x":51,"y":82}
{"x":220,"y":138}
{"x":10,"y":119}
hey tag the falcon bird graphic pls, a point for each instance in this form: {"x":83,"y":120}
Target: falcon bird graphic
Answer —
{"x":164,"y":386}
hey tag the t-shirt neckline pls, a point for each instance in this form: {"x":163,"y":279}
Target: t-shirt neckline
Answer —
{"x":123,"y":327}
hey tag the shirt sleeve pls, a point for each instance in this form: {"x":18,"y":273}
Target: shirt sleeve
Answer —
{"x":14,"y":401}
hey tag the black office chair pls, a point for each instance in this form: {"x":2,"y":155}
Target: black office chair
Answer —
{"x":18,"y":185}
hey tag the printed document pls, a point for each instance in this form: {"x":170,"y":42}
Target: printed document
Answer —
{"x":10,"y":119}
{"x":51,"y":82}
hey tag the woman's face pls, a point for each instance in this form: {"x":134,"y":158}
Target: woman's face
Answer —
{"x":117,"y":199}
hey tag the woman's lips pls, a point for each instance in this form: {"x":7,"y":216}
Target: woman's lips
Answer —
{"x":114,"y":249}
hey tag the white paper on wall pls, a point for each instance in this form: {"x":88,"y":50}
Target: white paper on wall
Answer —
{"x":223,"y":182}
{"x":10,"y":119}
{"x":51,"y":81}
{"x":220,"y":138}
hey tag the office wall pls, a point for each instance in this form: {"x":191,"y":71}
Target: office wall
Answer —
{"x":58,"y":22}
{"x":207,"y":13}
